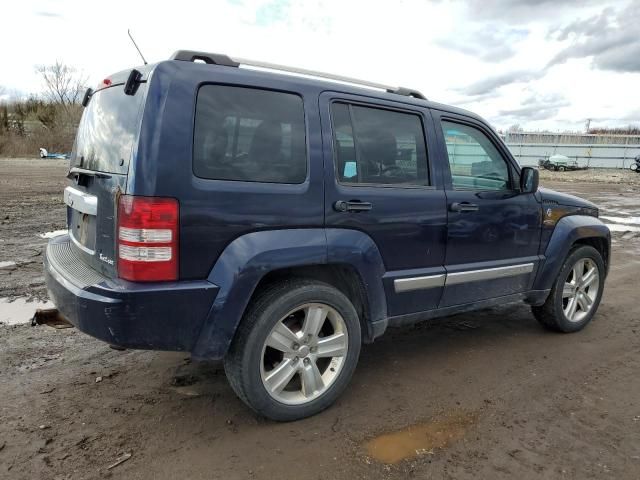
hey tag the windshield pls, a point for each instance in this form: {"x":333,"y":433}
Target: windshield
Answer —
{"x":108,"y":130}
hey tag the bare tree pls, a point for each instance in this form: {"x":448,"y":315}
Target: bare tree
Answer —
{"x":63,"y":83}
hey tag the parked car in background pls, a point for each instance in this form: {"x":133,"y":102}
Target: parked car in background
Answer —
{"x":279,"y":221}
{"x":560,"y":163}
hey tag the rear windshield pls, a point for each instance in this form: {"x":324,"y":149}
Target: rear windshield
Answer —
{"x":108,"y":130}
{"x":249,"y":135}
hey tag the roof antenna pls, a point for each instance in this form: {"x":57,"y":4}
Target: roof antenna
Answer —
{"x":136,"y":45}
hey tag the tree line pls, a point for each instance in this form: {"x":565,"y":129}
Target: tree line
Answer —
{"x":49,"y":119}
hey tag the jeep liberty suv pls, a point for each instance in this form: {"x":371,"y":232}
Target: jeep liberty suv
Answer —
{"x":278,"y":218}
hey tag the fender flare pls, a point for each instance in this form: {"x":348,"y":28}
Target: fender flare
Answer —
{"x":248,"y":258}
{"x":566,"y":233}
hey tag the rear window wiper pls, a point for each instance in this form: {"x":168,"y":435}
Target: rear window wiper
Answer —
{"x":89,"y":173}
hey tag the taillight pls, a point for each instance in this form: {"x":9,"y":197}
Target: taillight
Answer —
{"x":148,"y":238}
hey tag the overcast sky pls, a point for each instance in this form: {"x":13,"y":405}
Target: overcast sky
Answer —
{"x":543,"y":64}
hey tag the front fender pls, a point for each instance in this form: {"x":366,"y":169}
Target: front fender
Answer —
{"x":246,"y":260}
{"x":566,"y":233}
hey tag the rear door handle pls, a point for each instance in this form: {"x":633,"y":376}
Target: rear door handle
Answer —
{"x":463,"y":207}
{"x":352,"y":206}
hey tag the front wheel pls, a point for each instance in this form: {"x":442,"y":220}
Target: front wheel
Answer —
{"x":295,"y":350}
{"x":634,"y":167}
{"x":576,"y":293}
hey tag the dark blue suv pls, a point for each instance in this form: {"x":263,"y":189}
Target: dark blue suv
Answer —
{"x":279,"y":218}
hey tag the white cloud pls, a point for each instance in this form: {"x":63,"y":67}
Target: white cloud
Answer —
{"x":412,"y":43}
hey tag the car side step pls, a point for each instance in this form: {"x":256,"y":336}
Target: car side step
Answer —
{"x":51,"y":317}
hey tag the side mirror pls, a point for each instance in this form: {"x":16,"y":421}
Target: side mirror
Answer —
{"x":529,"y":180}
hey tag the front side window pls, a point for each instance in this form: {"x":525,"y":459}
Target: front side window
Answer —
{"x":249,"y":135}
{"x":376,"y":146}
{"x":474,"y":161}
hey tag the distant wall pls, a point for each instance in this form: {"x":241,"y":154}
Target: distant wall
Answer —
{"x":604,"y":151}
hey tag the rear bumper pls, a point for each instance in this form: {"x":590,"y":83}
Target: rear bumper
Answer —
{"x":161,"y":316}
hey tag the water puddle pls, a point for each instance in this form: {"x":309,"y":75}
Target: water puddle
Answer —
{"x":19,"y":310}
{"x":55,"y":233}
{"x":420,"y":439}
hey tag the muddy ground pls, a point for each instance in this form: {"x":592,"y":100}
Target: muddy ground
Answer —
{"x":491,"y":394}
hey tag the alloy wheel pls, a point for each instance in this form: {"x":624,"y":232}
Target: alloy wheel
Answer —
{"x":580,"y":290}
{"x":304,"y":353}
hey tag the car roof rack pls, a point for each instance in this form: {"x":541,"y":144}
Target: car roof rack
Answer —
{"x":221,"y":59}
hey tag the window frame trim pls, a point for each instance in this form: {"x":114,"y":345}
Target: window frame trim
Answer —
{"x":305,"y":119}
{"x":349,"y":102}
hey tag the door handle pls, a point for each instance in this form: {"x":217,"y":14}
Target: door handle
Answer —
{"x":352,"y":206}
{"x":463,"y":207}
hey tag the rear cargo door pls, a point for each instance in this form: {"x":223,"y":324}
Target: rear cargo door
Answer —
{"x":99,"y":163}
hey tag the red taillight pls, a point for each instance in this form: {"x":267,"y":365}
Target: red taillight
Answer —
{"x":147,"y":238}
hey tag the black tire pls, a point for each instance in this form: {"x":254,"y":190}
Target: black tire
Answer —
{"x":243,"y":362}
{"x":551,"y":314}
{"x":561,"y":169}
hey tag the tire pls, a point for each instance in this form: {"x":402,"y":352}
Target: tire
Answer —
{"x":634,"y":167}
{"x":555,"y":314}
{"x":561,"y":169}
{"x":258,"y":372}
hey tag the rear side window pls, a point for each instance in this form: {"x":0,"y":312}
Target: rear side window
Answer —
{"x":249,"y":135}
{"x":376,"y":146}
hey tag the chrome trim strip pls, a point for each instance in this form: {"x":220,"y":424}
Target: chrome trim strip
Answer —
{"x":80,"y":201}
{"x":79,"y":245}
{"x":432,"y":281}
{"x":488,"y":274}
{"x":418,"y":283}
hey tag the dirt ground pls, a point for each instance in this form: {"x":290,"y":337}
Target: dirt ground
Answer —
{"x":490,"y":394}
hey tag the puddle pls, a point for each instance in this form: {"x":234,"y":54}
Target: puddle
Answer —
{"x":55,"y":233}
{"x":19,"y":311}
{"x":419,"y":439}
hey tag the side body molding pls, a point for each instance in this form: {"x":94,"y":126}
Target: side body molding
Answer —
{"x":250,"y":257}
{"x":567,"y":231}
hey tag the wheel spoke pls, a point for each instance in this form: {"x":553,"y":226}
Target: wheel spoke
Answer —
{"x":570,"y":311}
{"x":282,"y":338}
{"x":568,"y":290}
{"x":280,"y":376}
{"x":578,"y":271}
{"x":585,"y":302}
{"x":590,"y":277}
{"x":313,"y":320}
{"x":311,"y":379}
{"x":333,"y":346}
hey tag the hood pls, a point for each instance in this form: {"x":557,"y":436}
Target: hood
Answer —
{"x":558,"y":198}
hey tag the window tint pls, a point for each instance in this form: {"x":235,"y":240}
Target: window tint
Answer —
{"x":475,"y":162}
{"x":389,"y":147}
{"x":108,"y":130}
{"x":249,"y":135}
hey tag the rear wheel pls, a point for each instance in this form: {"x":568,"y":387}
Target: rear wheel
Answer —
{"x":295,"y":350}
{"x":561,"y":168}
{"x":634,"y":167}
{"x":576,"y":294}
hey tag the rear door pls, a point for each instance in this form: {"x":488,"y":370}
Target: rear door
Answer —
{"x":379,"y":180}
{"x":99,"y":163}
{"x":493,"y":229}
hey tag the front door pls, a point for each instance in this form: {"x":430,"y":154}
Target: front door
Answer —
{"x":493,"y":228}
{"x":379,"y":180}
